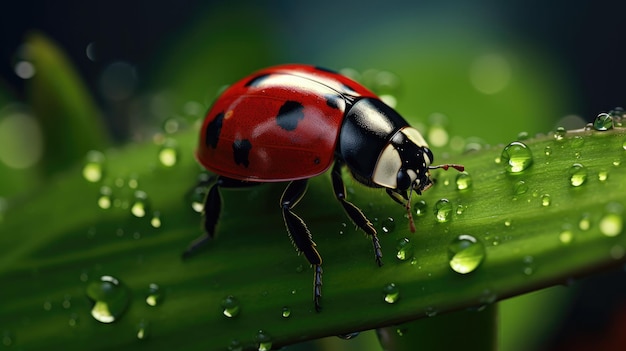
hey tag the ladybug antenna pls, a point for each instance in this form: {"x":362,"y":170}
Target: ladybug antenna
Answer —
{"x":408,"y":211}
{"x":445,"y":167}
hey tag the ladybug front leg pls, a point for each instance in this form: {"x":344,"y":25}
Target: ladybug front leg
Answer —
{"x":355,"y":213}
{"x":300,"y":234}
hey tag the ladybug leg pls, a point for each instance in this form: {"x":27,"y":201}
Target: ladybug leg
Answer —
{"x":355,"y":214}
{"x":212,"y":209}
{"x":395,"y":196}
{"x":300,"y":234}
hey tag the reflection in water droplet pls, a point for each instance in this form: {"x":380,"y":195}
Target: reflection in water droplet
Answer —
{"x":168,"y":155}
{"x":404,"y":249}
{"x":603,"y":122}
{"x":463,"y":181}
{"x":560,"y":133}
{"x":110,"y":298}
{"x":142,"y":330}
{"x":391,"y":293}
{"x":154,"y":296}
{"x":465,"y":254}
{"x":264,"y":341}
{"x":140,"y":205}
{"x":94,"y":166}
{"x":516,"y":157}
{"x":388,"y":225}
{"x":286,"y":312}
{"x":420,"y":208}
{"x":230,"y":306}
{"x":546,"y":200}
{"x":443,"y":210}
{"x":577,"y":174}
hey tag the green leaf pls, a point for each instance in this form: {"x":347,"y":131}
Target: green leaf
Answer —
{"x":69,"y":118}
{"x":59,"y":241}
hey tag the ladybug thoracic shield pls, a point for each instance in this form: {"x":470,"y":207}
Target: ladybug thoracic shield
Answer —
{"x":292,"y":122}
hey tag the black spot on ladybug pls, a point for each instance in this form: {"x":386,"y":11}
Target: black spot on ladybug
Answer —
{"x":324,"y":69}
{"x":332,"y":101}
{"x":213,"y":130}
{"x":317,"y":161}
{"x":256,"y":80}
{"x":241,"y":150}
{"x":289,"y":115}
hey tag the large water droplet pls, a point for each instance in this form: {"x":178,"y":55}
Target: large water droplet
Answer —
{"x":263,"y":340}
{"x":93,"y":171}
{"x":577,"y":174}
{"x":404,"y":249}
{"x":612,"y":222}
{"x":463,"y":181}
{"x":465,"y":254}
{"x":516,"y":157}
{"x":388,"y":225}
{"x":140,"y":204}
{"x":443,"y":210}
{"x":391,"y":293}
{"x":110,"y":298}
{"x":420,"y":208}
{"x":168,"y":155}
{"x":230,"y":306}
{"x":155,"y":295}
{"x":603,"y":122}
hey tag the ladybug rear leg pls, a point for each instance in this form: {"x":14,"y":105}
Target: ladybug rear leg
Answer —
{"x":355,"y":214}
{"x":300,"y":234}
{"x":212,"y":209}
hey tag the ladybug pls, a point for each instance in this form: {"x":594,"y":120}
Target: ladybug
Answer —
{"x":292,"y":122}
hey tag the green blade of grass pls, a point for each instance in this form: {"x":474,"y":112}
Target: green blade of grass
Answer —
{"x":59,"y":240}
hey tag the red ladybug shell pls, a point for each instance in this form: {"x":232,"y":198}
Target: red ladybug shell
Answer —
{"x":279,"y":124}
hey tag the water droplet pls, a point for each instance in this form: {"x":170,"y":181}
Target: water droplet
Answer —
{"x":93,"y":170}
{"x":465,"y":254}
{"x":546,"y":200}
{"x":235,"y":345}
{"x":520,"y":188}
{"x":612,"y":224}
{"x":547,"y":150}
{"x":388,"y":225}
{"x":528,"y":267}
{"x":230,"y":306}
{"x":559,"y":134}
{"x":516,"y":157}
{"x":577,"y":174}
{"x":603,"y":122}
{"x":348,"y":336}
{"x":67,"y":302}
{"x":47,"y":305}
{"x":463,"y":181}
{"x":460,"y":209}
{"x":8,"y":339}
{"x":391,"y":293}
{"x":624,"y":145}
{"x":507,"y":222}
{"x":420,"y":208}
{"x":522,"y":136}
{"x":168,"y":155}
{"x":104,"y":201}
{"x":154,"y":296}
{"x":286,"y":312}
{"x":155,"y":222}
{"x":197,"y":198}
{"x":264,"y":341}
{"x":73,"y":321}
{"x":585,"y":222}
{"x":566,"y":236}
{"x":110,"y":298}
{"x":142,"y":330}
{"x":443,"y":210}
{"x":431,"y":311}
{"x":404,"y":249}
{"x":140,"y":205}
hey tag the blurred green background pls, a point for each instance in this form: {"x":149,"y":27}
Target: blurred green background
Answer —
{"x":483,"y":69}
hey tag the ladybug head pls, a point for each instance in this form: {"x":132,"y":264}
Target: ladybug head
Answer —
{"x":404,"y":164}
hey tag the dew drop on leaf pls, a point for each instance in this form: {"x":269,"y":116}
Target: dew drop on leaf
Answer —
{"x":577,"y":174}
{"x":465,"y":254}
{"x":443,"y":210}
{"x":516,"y":157}
{"x":602,"y":122}
{"x":110,"y":298}
{"x":391,"y":293}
